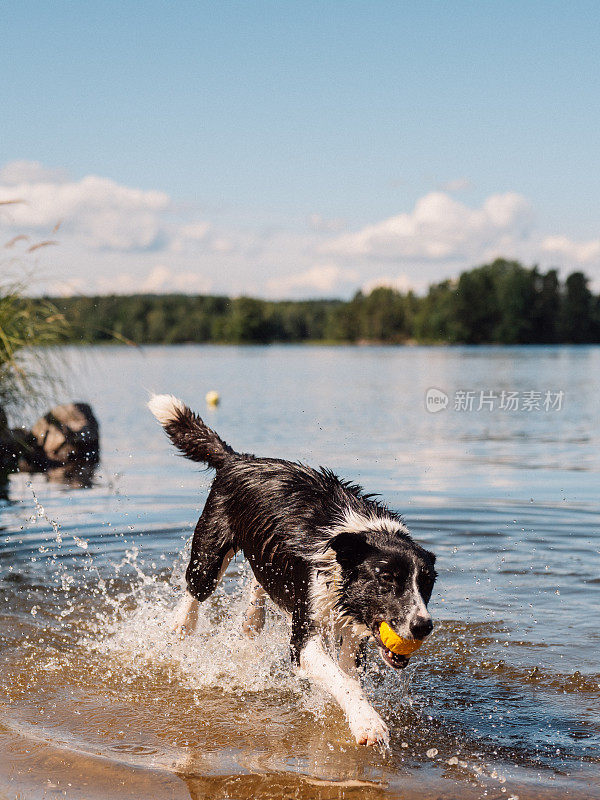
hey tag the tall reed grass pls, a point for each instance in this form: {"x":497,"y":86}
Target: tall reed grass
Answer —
{"x":29,"y":328}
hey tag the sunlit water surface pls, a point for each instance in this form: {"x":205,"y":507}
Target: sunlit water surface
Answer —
{"x":98,"y":699}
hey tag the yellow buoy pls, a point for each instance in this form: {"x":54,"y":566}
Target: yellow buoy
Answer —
{"x":213,"y":398}
{"x":395,"y":643}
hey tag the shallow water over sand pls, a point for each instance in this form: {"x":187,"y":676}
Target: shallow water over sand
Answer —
{"x":99,"y":699}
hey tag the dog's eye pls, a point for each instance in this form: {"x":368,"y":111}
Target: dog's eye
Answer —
{"x":386,"y":578}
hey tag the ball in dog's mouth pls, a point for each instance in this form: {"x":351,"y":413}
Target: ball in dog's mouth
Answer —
{"x":395,"y":650}
{"x":395,"y":643}
{"x":393,"y":659}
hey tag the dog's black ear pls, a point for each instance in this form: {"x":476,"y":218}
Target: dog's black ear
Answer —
{"x":351,"y":549}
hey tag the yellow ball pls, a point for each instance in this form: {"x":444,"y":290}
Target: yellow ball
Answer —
{"x":212,"y":398}
{"x":395,"y":643}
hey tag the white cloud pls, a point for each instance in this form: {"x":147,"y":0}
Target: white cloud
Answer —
{"x":190,"y":237}
{"x":68,"y":287}
{"x":196,"y":231}
{"x":99,"y":212}
{"x":159,"y":280}
{"x":440,"y":228}
{"x":222,"y":244}
{"x":115,"y":238}
{"x":19,"y":172}
{"x":574,"y":252}
{"x":162,"y":279}
{"x":322,"y":278}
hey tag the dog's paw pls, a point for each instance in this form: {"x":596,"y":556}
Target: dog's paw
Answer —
{"x":367,"y":727}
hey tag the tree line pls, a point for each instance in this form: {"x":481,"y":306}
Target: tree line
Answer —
{"x":503,"y":302}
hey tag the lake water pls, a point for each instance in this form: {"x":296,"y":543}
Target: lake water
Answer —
{"x":99,"y":700}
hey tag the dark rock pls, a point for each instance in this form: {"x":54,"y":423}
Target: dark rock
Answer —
{"x":29,"y":456}
{"x":64,"y":443}
{"x":68,"y":434}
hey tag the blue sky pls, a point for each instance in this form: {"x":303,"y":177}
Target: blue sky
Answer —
{"x":297,"y":148}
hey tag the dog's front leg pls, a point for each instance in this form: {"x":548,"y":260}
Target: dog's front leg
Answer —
{"x":254,"y":618}
{"x":185,"y":618}
{"x":365,"y":723}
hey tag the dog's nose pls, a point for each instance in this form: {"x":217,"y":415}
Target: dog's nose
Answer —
{"x":421,"y":627}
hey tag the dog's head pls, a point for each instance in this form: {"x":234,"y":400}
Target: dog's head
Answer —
{"x":386,"y":579}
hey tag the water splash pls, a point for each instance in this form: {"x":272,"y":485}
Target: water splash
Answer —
{"x":216,"y":655}
{"x":40,"y":513}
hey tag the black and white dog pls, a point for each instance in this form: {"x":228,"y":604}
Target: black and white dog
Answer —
{"x":338,"y":562}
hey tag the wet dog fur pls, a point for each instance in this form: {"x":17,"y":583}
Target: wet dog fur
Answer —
{"x":337,"y":561}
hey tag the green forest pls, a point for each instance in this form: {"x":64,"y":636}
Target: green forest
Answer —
{"x":503,"y":302}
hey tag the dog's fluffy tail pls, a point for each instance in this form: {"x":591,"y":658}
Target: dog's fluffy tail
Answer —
{"x":188,"y":432}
